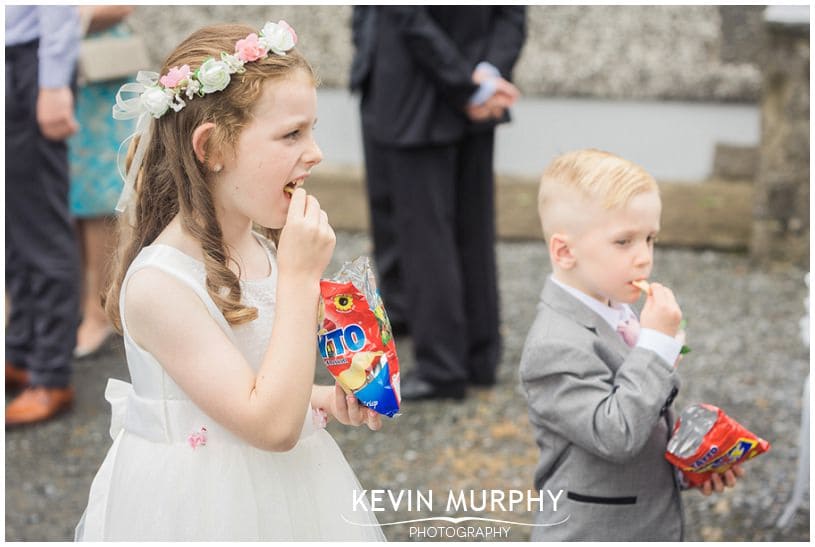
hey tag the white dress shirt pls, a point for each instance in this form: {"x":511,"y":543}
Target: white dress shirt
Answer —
{"x":666,"y":347}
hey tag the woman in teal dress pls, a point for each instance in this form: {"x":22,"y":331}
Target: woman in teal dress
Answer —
{"x":96,"y":183}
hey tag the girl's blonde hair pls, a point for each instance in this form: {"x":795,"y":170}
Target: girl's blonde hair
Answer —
{"x":172,"y":181}
{"x":590,"y":175}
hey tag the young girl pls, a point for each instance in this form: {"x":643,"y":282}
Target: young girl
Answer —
{"x":220,"y":436}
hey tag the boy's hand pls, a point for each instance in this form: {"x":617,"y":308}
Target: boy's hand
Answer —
{"x":307,"y":240}
{"x":348,"y":411}
{"x":717,"y":482}
{"x":661,"y":312}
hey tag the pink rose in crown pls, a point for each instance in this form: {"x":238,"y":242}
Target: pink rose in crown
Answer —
{"x":175,"y":76}
{"x":249,"y":49}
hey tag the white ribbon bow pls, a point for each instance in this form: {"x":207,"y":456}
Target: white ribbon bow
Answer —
{"x":126,"y":109}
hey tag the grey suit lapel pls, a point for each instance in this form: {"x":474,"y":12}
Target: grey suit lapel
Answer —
{"x":563,"y":302}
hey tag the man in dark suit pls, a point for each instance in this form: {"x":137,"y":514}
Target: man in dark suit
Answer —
{"x":42,"y":257}
{"x":434,"y":82}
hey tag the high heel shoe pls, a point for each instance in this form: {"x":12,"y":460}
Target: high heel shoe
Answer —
{"x":87,"y":351}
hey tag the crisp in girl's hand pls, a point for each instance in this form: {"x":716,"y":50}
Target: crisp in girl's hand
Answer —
{"x":307,"y":240}
{"x":347,"y":410}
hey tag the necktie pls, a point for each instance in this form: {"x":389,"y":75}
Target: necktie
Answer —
{"x":629,"y":330}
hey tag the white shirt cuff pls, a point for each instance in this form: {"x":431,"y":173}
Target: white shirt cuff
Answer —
{"x":488,"y":86}
{"x":663,"y":345}
{"x":484,"y":92}
{"x":489,"y":68}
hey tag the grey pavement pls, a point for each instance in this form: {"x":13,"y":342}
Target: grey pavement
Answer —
{"x":748,"y":358}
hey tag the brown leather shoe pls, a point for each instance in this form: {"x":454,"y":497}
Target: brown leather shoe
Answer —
{"x":16,"y":378}
{"x":38,"y":403}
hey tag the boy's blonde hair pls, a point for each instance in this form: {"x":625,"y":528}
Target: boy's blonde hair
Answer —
{"x":584,"y":177}
{"x":173,"y":181}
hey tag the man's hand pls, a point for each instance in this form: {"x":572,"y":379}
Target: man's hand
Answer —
{"x":493,"y":108}
{"x":55,"y":113}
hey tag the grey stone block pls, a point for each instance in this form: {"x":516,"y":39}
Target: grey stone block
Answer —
{"x":733,"y":162}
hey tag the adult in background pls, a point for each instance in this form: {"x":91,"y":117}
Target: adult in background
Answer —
{"x":42,"y":261}
{"x":434,"y":82}
{"x":95,"y":180}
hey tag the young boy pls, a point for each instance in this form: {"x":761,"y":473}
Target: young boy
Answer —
{"x":600,"y":386}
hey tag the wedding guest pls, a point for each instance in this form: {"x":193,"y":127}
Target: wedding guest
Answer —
{"x":435,"y":83}
{"x":599,"y":382}
{"x":95,"y":180}
{"x":42,"y":262}
{"x":222,"y":434}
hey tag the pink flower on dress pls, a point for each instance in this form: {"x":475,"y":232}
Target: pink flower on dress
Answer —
{"x":249,"y":49}
{"x":175,"y":76}
{"x":319,"y":418}
{"x":630,"y":331}
{"x":198,"y":438}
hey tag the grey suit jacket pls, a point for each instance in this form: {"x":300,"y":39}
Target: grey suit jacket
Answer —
{"x":602,"y":419}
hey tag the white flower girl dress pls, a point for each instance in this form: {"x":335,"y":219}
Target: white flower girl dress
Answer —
{"x":174,"y":474}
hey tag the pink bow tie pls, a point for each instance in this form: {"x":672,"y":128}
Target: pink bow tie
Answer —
{"x":629,"y":330}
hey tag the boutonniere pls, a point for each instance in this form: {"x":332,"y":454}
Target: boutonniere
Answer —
{"x":681,"y":337}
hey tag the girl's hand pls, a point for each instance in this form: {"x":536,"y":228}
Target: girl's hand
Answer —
{"x":307,"y":240}
{"x":717,"y":482}
{"x":347,"y":410}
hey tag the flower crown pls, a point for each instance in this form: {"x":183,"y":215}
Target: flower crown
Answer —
{"x":157,"y":97}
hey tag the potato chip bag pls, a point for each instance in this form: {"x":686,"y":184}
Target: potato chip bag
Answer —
{"x":355,"y":339}
{"x":706,"y":441}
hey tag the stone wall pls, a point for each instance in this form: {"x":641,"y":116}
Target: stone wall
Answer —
{"x":698,"y":53}
{"x":689,"y":53}
{"x":781,"y":206}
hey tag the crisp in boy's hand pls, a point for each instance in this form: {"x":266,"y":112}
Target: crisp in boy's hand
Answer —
{"x":661,"y":312}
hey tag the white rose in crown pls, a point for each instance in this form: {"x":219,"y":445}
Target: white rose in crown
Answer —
{"x":213,"y":75}
{"x":278,"y":37}
{"x":156,"y":101}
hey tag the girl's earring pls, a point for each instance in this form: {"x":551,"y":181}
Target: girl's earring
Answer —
{"x":217,"y":167}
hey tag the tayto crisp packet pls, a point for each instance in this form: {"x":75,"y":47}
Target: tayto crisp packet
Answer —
{"x":707,"y":441}
{"x":355,"y":338}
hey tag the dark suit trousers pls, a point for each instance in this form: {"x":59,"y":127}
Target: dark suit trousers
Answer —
{"x":432,"y":216}
{"x":42,"y":258}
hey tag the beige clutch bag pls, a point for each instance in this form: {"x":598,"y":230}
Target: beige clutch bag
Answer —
{"x":111,"y":58}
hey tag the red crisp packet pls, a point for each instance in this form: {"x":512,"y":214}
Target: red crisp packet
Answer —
{"x":355,"y":338}
{"x":707,"y":441}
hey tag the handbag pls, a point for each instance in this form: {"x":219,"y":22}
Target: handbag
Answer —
{"x":105,"y":58}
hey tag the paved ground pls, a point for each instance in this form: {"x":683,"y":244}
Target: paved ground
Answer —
{"x":747,"y":358}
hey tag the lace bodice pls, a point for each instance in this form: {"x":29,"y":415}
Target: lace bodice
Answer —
{"x":149,"y":378}
{"x":252,"y":338}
